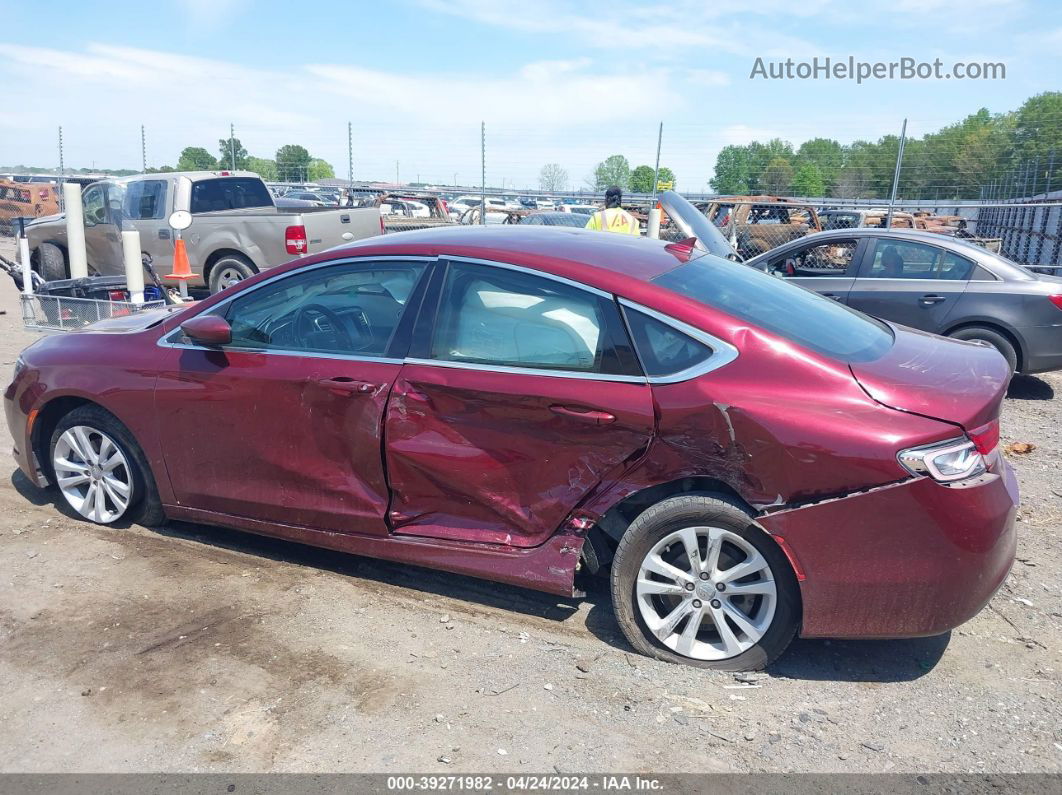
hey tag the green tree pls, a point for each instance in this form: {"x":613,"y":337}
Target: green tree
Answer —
{"x":641,"y":180}
{"x":196,"y":158}
{"x":230,"y":149}
{"x":320,"y":169}
{"x":666,"y":175}
{"x":613,"y":170}
{"x":552,"y":177}
{"x":160,"y":170}
{"x":733,"y":170}
{"x":808,"y":180}
{"x":826,"y":155}
{"x":263,"y":167}
{"x":777,"y":177}
{"x":293,"y":163}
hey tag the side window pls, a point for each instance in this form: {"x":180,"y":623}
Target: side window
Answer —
{"x":145,"y":200}
{"x":955,"y":268}
{"x":350,"y":309}
{"x":826,"y":259}
{"x":94,"y":202}
{"x":663,"y":349}
{"x":494,"y":316}
{"x":897,"y":259}
{"x":229,"y":193}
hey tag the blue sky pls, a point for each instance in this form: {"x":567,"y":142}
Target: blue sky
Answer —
{"x":554,"y":81}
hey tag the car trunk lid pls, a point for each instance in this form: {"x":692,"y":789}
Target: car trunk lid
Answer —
{"x":962,"y":383}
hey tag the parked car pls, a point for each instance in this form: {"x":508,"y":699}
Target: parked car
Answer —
{"x":308,"y":196}
{"x":581,"y":209}
{"x":755,"y":224}
{"x":933,"y":283}
{"x":506,"y":403}
{"x":237,"y":228}
{"x":553,"y":219}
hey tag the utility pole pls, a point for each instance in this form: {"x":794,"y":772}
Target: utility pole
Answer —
{"x":350,"y":155}
{"x":455,"y":179}
{"x":143,"y":147}
{"x":62,"y":170}
{"x":232,"y":145}
{"x":397,"y":180}
{"x":483,"y":173}
{"x":656,"y":171}
{"x":896,"y":174}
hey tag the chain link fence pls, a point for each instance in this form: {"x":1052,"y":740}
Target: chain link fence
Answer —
{"x":62,"y":313}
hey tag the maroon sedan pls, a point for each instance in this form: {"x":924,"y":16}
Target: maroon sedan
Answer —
{"x":748,"y":459}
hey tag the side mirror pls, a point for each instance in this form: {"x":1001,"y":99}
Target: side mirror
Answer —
{"x":180,"y":219}
{"x":209,"y":330}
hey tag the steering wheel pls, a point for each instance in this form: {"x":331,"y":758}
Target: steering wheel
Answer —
{"x":302,"y":317}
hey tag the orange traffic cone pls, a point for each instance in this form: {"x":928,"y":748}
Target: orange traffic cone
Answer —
{"x":182,"y":269}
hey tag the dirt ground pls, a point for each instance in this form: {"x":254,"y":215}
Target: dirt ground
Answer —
{"x":198,"y":649}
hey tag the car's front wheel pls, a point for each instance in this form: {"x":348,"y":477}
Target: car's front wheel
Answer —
{"x":100,"y":469}
{"x":695,"y":581}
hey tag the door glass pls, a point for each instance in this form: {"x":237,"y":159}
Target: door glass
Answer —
{"x":350,"y":309}
{"x":899,"y":259}
{"x":93,"y":201}
{"x":663,"y":350}
{"x":825,"y":259}
{"x":145,"y":200}
{"x":493,"y":316}
{"x":229,"y":193}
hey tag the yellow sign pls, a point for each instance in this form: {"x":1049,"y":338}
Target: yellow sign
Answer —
{"x":665,"y":185}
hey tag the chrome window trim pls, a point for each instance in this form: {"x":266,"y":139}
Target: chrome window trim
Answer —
{"x":166,"y":341}
{"x":723,"y":353}
{"x":503,"y":368}
{"x":530,"y":272}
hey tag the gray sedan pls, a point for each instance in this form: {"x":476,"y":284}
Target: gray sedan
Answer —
{"x":933,"y":283}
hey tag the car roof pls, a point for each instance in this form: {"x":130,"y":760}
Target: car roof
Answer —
{"x":596,"y":258}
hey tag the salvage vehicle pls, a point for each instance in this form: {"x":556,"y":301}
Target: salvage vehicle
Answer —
{"x":237,"y":229}
{"x":934,"y":283}
{"x":25,"y":200}
{"x":524,"y":403}
{"x":755,"y":224}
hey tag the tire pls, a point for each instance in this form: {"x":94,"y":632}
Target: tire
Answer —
{"x":228,"y":271}
{"x":993,"y":338}
{"x":773,"y":613}
{"x":103,"y":434}
{"x":51,"y":264}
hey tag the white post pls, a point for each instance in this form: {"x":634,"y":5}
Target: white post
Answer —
{"x":134,"y":265}
{"x":654,"y":224}
{"x":75,"y":230}
{"x":24,"y":261}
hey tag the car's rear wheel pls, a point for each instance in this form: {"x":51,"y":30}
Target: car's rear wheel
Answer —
{"x":100,"y":469}
{"x":990,"y":337}
{"x":228,"y":272}
{"x":695,"y":581}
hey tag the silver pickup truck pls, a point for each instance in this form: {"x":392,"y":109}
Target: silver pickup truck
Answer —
{"x":236,"y":231}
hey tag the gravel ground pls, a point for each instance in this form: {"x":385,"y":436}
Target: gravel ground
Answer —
{"x":198,"y":649}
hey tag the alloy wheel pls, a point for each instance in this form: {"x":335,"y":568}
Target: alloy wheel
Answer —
{"x":92,"y":473}
{"x":229,"y":277}
{"x":706,"y":593}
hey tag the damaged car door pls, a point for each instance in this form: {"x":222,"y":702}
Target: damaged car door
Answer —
{"x":283,"y":423}
{"x":521,"y":396}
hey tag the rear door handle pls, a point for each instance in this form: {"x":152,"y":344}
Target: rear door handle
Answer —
{"x":586,"y":415}
{"x":834,"y":296}
{"x":341,"y":385}
{"x":931,"y":299}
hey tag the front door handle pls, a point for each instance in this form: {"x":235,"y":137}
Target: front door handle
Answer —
{"x":834,"y":296}
{"x":931,"y":299}
{"x":164,"y":234}
{"x":586,"y":415}
{"x":341,"y":385}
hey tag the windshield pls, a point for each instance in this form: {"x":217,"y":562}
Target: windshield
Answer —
{"x":840,"y":220}
{"x":791,"y":312}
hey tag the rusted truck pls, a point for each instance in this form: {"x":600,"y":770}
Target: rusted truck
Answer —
{"x":755,"y":224}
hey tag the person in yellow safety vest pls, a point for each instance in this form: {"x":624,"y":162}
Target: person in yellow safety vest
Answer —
{"x":614,"y":218}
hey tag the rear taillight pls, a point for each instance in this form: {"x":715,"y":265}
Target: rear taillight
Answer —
{"x":1056,"y":300}
{"x":116,"y":295}
{"x":985,"y":438}
{"x":945,"y":462}
{"x":295,"y":240}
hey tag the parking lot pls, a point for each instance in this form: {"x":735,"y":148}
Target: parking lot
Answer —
{"x":194,"y":648}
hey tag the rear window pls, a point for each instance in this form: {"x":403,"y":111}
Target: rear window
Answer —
{"x":229,"y":193}
{"x":799,"y":315}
